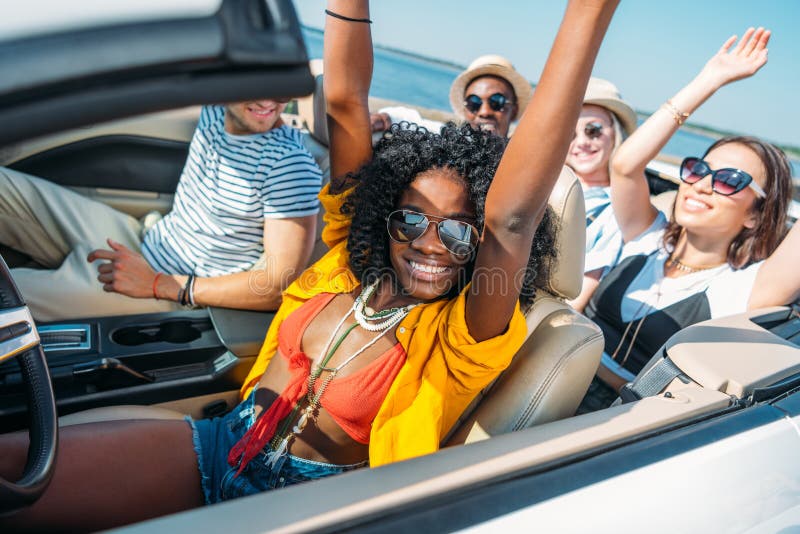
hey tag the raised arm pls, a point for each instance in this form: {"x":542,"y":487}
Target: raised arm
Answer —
{"x":531,"y":164}
{"x":348,"y":72}
{"x":778,"y":279}
{"x":630,"y":196}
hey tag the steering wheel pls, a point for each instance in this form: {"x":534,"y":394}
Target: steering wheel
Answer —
{"x":19,"y":339}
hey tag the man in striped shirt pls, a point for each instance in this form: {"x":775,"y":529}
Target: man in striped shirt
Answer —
{"x":247,"y":197}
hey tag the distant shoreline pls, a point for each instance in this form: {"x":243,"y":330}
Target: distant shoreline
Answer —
{"x":415,"y":55}
{"x":791,"y":151}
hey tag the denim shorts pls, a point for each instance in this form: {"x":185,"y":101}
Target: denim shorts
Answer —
{"x":213,"y":440}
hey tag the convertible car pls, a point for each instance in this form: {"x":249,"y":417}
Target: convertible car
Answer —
{"x":704,"y":440}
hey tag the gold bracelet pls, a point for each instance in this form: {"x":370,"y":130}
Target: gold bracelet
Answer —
{"x":679,"y":116}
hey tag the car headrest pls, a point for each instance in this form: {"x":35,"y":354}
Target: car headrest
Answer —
{"x":312,"y":108}
{"x":566,"y":270}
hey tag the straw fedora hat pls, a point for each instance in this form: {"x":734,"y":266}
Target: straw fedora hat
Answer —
{"x":491,"y":65}
{"x":605,"y":94}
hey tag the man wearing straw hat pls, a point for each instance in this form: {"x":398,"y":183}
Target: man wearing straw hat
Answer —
{"x":489,"y":94}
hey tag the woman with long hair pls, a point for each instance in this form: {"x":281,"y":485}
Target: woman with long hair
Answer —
{"x":718,"y":254}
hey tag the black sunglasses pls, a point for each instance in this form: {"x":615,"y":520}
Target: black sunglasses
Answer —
{"x":723,"y":181}
{"x":459,"y":237}
{"x":497,"y":102}
{"x":593,"y":130}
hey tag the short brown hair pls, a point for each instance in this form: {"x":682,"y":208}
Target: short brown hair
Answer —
{"x":757,"y":243}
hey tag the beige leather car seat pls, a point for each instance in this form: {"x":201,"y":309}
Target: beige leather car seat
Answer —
{"x":314,"y":123}
{"x":552,"y":371}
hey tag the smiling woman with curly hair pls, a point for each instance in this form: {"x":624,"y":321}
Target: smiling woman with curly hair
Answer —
{"x":406,"y":151}
{"x":379,"y":347}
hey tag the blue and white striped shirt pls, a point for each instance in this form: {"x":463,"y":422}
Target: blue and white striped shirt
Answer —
{"x":229,"y":186}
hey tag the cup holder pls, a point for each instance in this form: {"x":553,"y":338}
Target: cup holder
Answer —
{"x":172,"y":331}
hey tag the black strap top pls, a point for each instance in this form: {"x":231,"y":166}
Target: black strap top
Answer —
{"x":605,"y":309}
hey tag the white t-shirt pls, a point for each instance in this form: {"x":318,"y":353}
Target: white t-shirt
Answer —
{"x":727,"y":290}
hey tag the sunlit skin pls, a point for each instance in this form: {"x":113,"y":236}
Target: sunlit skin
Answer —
{"x":258,"y":116}
{"x":718,"y":217}
{"x":589,"y":157}
{"x":436,"y":192}
{"x":486,"y":118}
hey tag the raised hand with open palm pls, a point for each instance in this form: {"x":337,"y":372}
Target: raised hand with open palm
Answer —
{"x":742,"y":61}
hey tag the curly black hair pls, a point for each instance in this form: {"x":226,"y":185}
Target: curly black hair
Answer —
{"x":407,"y":150}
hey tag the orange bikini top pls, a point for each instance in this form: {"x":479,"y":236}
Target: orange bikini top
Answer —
{"x":354,"y":400}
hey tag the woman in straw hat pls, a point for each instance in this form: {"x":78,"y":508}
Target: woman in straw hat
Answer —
{"x":718,"y":254}
{"x":381,"y":344}
{"x":606,"y":120}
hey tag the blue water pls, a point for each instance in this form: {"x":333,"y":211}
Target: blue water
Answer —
{"x":416,"y":81}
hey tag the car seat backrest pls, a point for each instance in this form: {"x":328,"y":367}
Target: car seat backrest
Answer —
{"x":311,"y":110}
{"x":550,"y":374}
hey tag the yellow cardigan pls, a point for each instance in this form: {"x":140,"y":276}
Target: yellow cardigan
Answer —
{"x":444,"y":370}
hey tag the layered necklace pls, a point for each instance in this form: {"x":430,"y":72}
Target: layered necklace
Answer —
{"x":365,"y":317}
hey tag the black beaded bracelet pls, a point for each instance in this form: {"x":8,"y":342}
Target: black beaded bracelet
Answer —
{"x":183,"y":295}
{"x":348,"y":19}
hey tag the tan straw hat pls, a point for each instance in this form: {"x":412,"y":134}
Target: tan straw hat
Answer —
{"x":605,"y":94}
{"x":491,"y":65}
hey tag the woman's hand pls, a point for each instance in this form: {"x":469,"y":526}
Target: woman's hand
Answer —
{"x":630,"y":195}
{"x":744,"y":60}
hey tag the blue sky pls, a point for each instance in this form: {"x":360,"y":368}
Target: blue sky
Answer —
{"x":651,"y":50}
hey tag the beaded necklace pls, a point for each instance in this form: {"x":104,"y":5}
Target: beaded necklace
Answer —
{"x":365,"y":317}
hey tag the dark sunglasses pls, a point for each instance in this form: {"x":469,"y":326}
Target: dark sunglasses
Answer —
{"x":458,"y":237}
{"x":723,"y":181}
{"x":497,"y":102}
{"x":593,"y":130}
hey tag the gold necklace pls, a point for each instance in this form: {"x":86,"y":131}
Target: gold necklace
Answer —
{"x":678,"y":264}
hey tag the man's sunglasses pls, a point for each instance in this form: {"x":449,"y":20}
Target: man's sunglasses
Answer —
{"x":723,"y":181}
{"x":458,"y":237}
{"x":497,"y":102}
